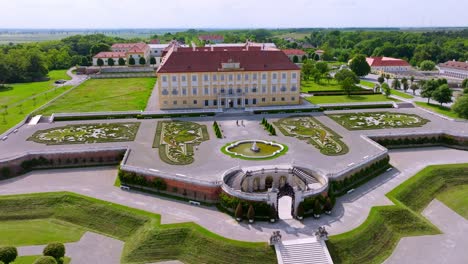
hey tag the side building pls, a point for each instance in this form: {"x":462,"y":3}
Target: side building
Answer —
{"x":125,"y":51}
{"x":387,"y":64}
{"x":227,"y":78}
{"x":454,"y":69}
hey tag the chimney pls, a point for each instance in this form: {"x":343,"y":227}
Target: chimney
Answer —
{"x":212,"y":48}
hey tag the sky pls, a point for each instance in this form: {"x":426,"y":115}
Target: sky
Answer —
{"x":86,"y":14}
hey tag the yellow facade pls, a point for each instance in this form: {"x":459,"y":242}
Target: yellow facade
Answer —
{"x":228,"y":89}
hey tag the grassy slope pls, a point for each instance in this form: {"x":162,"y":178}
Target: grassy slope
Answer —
{"x":38,"y":232}
{"x":446,"y":111}
{"x":348,"y":99}
{"x":22,"y":91}
{"x":146,"y":240}
{"x":402,"y":94}
{"x":375,"y":239}
{"x":367,"y":83}
{"x":31,"y":259}
{"x":456,"y":198}
{"x":98,"y":95}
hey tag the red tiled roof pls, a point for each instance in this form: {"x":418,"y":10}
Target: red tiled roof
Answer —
{"x":211,"y":37}
{"x":132,"y":47}
{"x":231,"y":48}
{"x":154,"y":41}
{"x":291,"y":52}
{"x":109,"y":54}
{"x":210,"y":61}
{"x":385,"y":61}
{"x":455,"y":65}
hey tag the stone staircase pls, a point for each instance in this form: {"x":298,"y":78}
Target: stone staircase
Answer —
{"x":303,"y":251}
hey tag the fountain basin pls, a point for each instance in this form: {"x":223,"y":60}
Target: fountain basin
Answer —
{"x":264,"y":150}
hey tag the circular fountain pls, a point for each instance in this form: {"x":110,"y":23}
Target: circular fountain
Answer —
{"x":254,"y":149}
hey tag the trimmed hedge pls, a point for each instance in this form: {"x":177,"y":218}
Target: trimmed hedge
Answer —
{"x":268,"y":127}
{"x":229,"y":204}
{"x":331,"y":108}
{"x":445,"y":140}
{"x":133,"y":178}
{"x":130,"y":116}
{"x":341,"y":92}
{"x":285,"y":111}
{"x":340,"y":187}
{"x":217,"y":130}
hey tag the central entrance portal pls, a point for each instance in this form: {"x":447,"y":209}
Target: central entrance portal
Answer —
{"x":230,"y":103}
{"x":284,"y":208}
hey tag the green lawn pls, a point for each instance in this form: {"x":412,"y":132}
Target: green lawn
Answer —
{"x":146,"y":240}
{"x":324,"y":85}
{"x":38,"y":232}
{"x":456,"y":198}
{"x":348,"y":99}
{"x":376,"y":238}
{"x":19,"y":101}
{"x":97,"y":95}
{"x":367,"y":83}
{"x":402,"y":94}
{"x":31,"y":259}
{"x":443,"y":110}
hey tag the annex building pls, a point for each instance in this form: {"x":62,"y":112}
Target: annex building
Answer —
{"x":454,"y":69}
{"x":387,"y":64}
{"x":227,"y":77}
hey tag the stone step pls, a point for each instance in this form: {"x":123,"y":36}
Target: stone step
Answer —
{"x":303,"y":251}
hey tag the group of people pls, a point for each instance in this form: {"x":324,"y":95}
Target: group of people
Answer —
{"x":242,"y":122}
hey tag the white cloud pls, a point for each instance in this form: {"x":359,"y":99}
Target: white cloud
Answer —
{"x":230,"y":14}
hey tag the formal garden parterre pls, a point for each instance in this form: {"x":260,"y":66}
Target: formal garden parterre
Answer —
{"x":176,"y":140}
{"x":312,"y":131}
{"x":87,"y":133}
{"x":378,"y":120}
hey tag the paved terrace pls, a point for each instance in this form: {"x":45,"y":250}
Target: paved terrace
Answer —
{"x":210,"y":164}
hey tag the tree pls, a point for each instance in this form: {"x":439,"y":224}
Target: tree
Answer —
{"x":153,"y":61}
{"x":131,"y":61}
{"x":239,"y":213}
{"x":396,"y":84}
{"x":55,"y":250}
{"x":359,"y":65}
{"x":381,"y":79}
{"x":328,"y":206}
{"x":414,"y":87}
{"x":386,"y":89}
{"x":100,"y":62}
{"x":300,"y":211}
{"x":121,"y":62}
{"x":344,"y":74}
{"x":347,"y":85}
{"x":295,"y":59}
{"x":428,"y":88}
{"x":412,"y":79}
{"x":404,"y":83}
{"x":427,"y":65}
{"x":461,"y":106}
{"x":45,"y":260}
{"x":322,"y":67}
{"x":272,"y":212}
{"x":99,"y":47}
{"x":317,"y":208}
{"x":142,"y":61}
{"x":387,"y":76}
{"x":307,"y":69}
{"x":8,"y":254}
{"x":251,"y":213}
{"x":465,"y":83}
{"x":110,"y":62}
{"x":442,"y":94}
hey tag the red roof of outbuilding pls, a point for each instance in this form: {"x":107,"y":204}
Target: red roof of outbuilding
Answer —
{"x":455,"y":65}
{"x":211,"y":61}
{"x":385,"y":61}
{"x":291,"y":52}
{"x":109,"y":54}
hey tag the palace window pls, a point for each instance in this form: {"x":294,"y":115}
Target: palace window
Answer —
{"x":184,"y":91}
{"x":164,"y":78}
{"x":263,"y":76}
{"x":274,"y":76}
{"x":194,"y":91}
{"x":246,"y":77}
{"x":254,"y":76}
{"x":165,"y":92}
{"x":174,"y":78}
{"x":215,"y":78}
{"x":283,"y":75}
{"x":254,"y":101}
{"x":264,"y":89}
{"x":184,"y":102}
{"x":222,"y":77}
{"x":194,"y":78}
{"x":293,"y":98}
{"x":174,"y":92}
{"x":282,"y":99}
{"x":231,"y":77}
{"x":239,"y":90}
{"x":238,"y":77}
{"x":205,"y":77}
{"x":175,"y":102}
{"x":294,"y":75}
{"x":184,"y":78}
{"x":273,"y":88}
{"x":263,"y":99}
{"x":273,"y":99}
{"x":207,"y":91}
{"x":195,"y":102}
{"x":207,"y":102}
{"x":293,"y":88}
{"x":283,"y":88}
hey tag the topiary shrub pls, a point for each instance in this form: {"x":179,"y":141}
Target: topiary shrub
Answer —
{"x":300,"y":211}
{"x":239,"y":212}
{"x":251,"y":213}
{"x":8,"y":254}
{"x":45,"y":260}
{"x":55,"y":250}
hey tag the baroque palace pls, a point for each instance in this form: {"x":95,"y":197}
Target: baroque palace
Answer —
{"x":227,"y":77}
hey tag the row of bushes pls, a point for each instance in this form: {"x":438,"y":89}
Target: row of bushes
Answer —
{"x":287,"y":111}
{"x":128,"y":116}
{"x":53,"y":253}
{"x":374,"y":106}
{"x":269,"y":127}
{"x":240,"y":208}
{"x":340,"y":187}
{"x":217,"y":130}
{"x":316,"y":205}
{"x":402,"y":142}
{"x":134,"y":179}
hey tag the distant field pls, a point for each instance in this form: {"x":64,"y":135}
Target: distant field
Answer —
{"x":99,"y":95}
{"x":19,"y":100}
{"x":348,"y":99}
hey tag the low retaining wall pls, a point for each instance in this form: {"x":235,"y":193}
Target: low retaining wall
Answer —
{"x":59,"y":159}
{"x":122,"y":75}
{"x":423,"y":139}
